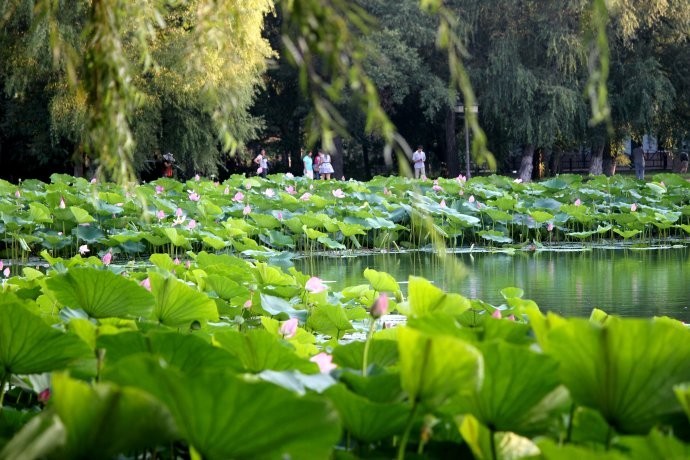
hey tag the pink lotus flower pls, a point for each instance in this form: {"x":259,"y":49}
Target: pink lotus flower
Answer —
{"x":338,"y":193}
{"x":197,"y":177}
{"x":289,"y":328}
{"x":160,"y":214}
{"x":324,"y":361}
{"x":17,"y":194}
{"x":188,"y":264}
{"x":177,"y":261}
{"x":471,"y":199}
{"x":442,"y":203}
{"x":193,"y":196}
{"x":239,"y":196}
{"x":380,"y":306}
{"x":44,"y":396}
{"x":291,"y":190}
{"x":226,"y":191}
{"x":62,"y":203}
{"x":305,"y":197}
{"x":549,"y":227}
{"x":461,"y":178}
{"x":146,"y":283}
{"x":178,"y":212}
{"x":248,"y":304}
{"x":511,"y":317}
{"x":315,"y":285}
{"x":386,"y":191}
{"x":191,"y":225}
{"x":107,"y":258}
{"x":247,"y":209}
{"x":6,"y":272}
{"x":1,"y":264}
{"x":159,"y":189}
{"x":83,"y":249}
{"x":93,"y":180}
{"x":496,"y":314}
{"x":578,"y":202}
{"x":269,"y":193}
{"x":518,"y":181}
{"x":289,"y":175}
{"x":280,"y":215}
{"x":633,"y":207}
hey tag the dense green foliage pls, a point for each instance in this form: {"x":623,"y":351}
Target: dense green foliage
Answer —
{"x":120,"y":81}
{"x":224,"y":357}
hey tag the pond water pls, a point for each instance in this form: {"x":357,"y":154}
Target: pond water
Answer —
{"x":626,"y":282}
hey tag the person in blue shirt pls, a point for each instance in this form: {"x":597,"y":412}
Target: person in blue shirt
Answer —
{"x":308,"y":164}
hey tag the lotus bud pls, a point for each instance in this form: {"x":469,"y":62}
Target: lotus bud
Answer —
{"x":289,"y":328}
{"x":380,"y":306}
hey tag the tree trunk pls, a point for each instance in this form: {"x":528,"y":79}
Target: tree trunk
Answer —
{"x":609,"y":162}
{"x":596,"y":166}
{"x":452,"y":158}
{"x":555,"y":162}
{"x":337,"y":159}
{"x":525,"y":173}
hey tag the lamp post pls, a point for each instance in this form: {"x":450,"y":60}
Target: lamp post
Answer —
{"x":461,"y":109}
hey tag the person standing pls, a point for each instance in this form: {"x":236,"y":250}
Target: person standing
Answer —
{"x":317,"y":165}
{"x":325,"y":168}
{"x":419,"y":158}
{"x":638,"y":158}
{"x":308,"y":164}
{"x":262,"y":160}
{"x":168,"y":160}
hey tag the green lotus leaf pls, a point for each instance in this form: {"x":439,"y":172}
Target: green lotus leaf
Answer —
{"x":188,"y":353}
{"x":683,"y":394}
{"x":426,"y":299}
{"x":516,"y":381}
{"x":626,"y":233}
{"x":494,"y":235}
{"x":552,"y":451}
{"x":654,"y":445}
{"x":100,"y":293}
{"x":366,"y":420}
{"x":89,"y":233}
{"x":176,"y":238}
{"x":434,"y":369}
{"x":214,"y":242}
{"x":277,"y":239}
{"x":626,"y":368}
{"x":381,"y":281}
{"x":265,"y":220}
{"x":177,"y":304}
{"x":330,"y":320}
{"x":329,"y":243}
{"x":497,"y":215}
{"x":222,"y":416}
{"x":382,"y":353}
{"x":259,"y":350}
{"x":81,"y":216}
{"x":277,"y":305}
{"x":39,"y":213}
{"x":29,"y":346}
{"x":225,"y":287}
{"x":504,"y":446}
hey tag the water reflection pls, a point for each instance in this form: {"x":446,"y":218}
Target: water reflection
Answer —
{"x":626,"y":282}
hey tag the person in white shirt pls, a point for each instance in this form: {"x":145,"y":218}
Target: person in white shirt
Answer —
{"x":262,"y":160}
{"x":418,"y":158}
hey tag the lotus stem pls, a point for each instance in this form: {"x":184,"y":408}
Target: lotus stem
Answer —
{"x":406,"y":433}
{"x":367,"y":344}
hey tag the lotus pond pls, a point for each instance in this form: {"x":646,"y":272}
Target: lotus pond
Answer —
{"x":169,"y":324}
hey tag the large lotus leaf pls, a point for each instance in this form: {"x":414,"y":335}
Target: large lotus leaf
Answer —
{"x":265,"y":274}
{"x":277,"y":305}
{"x":366,"y":420}
{"x":683,"y":394}
{"x":552,"y":451}
{"x":381,"y":281}
{"x":98,"y":421}
{"x":39,"y":213}
{"x":330,"y":320}
{"x":29,"y":346}
{"x":443,"y":324}
{"x":100,"y":293}
{"x":434,"y":369}
{"x":376,"y":387}
{"x":654,"y":445}
{"x":223,"y":416}
{"x":383,"y":353}
{"x":88,"y":233}
{"x":81,"y":216}
{"x":188,"y":353}
{"x":225,"y":287}
{"x":516,"y":381}
{"x":259,"y":350}
{"x":626,"y":368}
{"x":426,"y":299}
{"x":505,"y":446}
{"x":178,"y":304}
